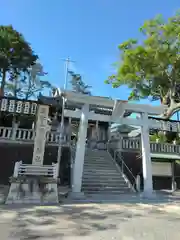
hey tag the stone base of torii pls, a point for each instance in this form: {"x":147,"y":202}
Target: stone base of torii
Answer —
{"x":35,"y":183}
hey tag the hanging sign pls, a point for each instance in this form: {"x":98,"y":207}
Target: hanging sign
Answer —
{"x":18,"y":106}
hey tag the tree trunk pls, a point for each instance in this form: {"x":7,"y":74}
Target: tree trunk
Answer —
{"x":14,"y":120}
{"x":3,"y":83}
{"x":29,"y":87}
{"x":173,"y":108}
{"x":15,"y":125}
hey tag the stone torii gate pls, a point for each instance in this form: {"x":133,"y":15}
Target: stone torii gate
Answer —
{"x":118,"y":109}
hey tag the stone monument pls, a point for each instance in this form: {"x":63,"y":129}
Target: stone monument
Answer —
{"x":35,"y":183}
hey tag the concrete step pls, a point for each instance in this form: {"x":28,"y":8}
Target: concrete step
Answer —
{"x":106,"y":161}
{"x":97,"y":156}
{"x":105,"y":170}
{"x":102,"y":168}
{"x":96,"y":151}
{"x":103,"y":179}
{"x":93,"y":165}
{"x":99,"y":177}
{"x":106,"y":192}
{"x":104,"y":185}
{"x":105,"y":153}
{"x":101,"y":154}
{"x":118,"y":182}
{"x":94,"y":160}
{"x":107,"y":175}
{"x":97,"y":166}
{"x":99,"y":163}
{"x":128,"y":196}
{"x":107,"y":180}
{"x":90,"y":160}
{"x":106,"y":164}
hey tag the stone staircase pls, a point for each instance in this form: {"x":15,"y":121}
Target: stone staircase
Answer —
{"x":102,"y":176}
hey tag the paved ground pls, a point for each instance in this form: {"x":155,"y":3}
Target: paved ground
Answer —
{"x":91,"y":221}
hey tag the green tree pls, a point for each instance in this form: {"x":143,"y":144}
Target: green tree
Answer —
{"x":28,"y":84}
{"x":16,"y":55}
{"x":78,"y":84}
{"x":159,"y":136}
{"x":151,"y":68}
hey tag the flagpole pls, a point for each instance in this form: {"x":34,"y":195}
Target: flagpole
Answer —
{"x":61,"y":135}
{"x":66,"y":72}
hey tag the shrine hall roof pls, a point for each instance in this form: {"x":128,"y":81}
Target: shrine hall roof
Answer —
{"x":57,"y":102}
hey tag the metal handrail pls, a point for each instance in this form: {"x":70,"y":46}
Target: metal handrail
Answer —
{"x":133,"y":185}
{"x":124,"y":164}
{"x":73,"y":148}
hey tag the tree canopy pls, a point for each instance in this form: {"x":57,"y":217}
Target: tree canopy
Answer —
{"x":151,"y":67}
{"x":28,"y":84}
{"x":78,"y":85}
{"x":19,"y":69}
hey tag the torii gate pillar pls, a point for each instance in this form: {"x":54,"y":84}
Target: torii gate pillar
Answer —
{"x":80,"y":152}
{"x":146,"y":157}
{"x":144,"y":123}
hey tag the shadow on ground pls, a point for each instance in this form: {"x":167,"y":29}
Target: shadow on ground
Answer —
{"x":74,"y":220}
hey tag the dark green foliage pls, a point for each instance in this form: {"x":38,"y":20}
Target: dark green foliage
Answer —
{"x":151,"y":68}
{"x":19,"y":69}
{"x":16,"y":55}
{"x":78,"y":84}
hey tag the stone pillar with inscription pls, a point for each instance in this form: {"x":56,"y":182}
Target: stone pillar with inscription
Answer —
{"x":35,"y":183}
{"x":40,"y":136}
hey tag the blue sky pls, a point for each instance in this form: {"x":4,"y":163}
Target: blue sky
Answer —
{"x":87,"y":31}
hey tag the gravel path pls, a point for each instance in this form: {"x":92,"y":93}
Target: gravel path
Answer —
{"x":91,"y":221}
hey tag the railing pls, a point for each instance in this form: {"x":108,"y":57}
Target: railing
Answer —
{"x":5,"y":133}
{"x":164,"y":148}
{"x":135,"y":145}
{"x":25,"y":135}
{"x":125,"y":169}
{"x":73,"y":152}
{"x":53,"y":137}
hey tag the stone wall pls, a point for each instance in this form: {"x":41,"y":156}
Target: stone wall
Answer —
{"x":10,"y":153}
{"x":134,"y":163}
